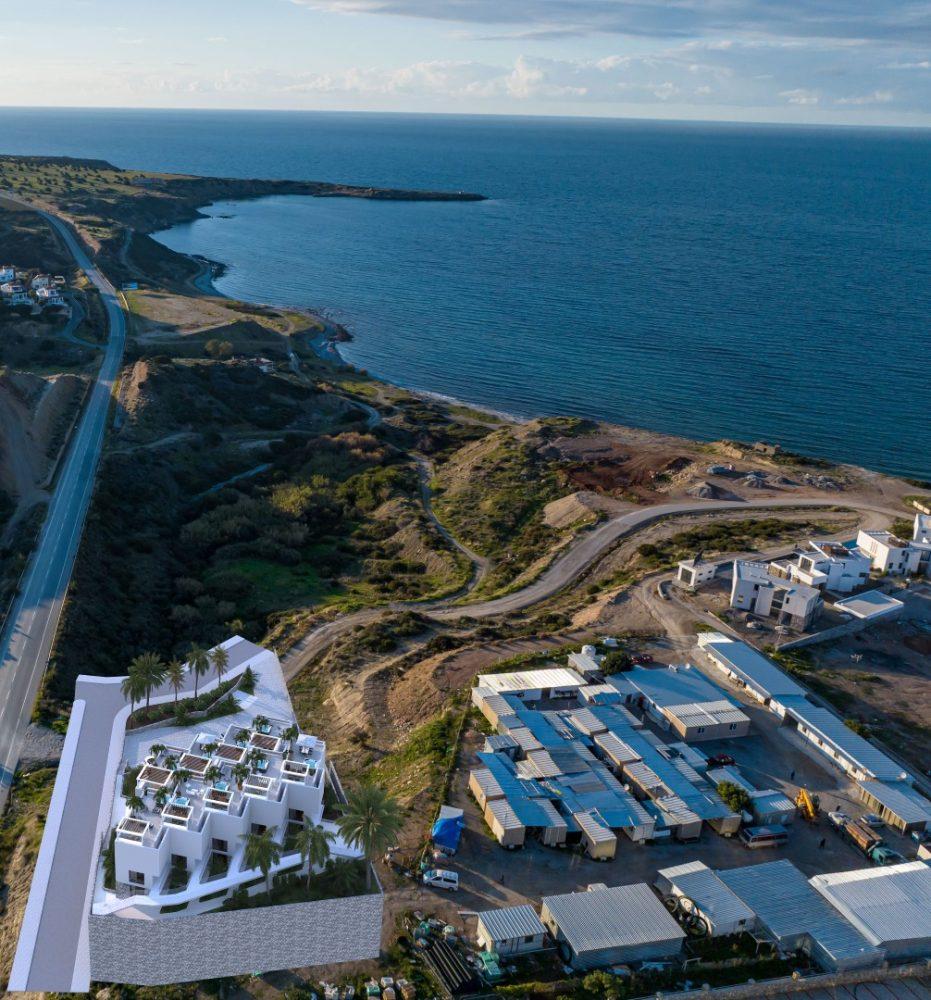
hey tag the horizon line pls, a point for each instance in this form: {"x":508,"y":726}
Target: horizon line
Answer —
{"x":470,"y":114}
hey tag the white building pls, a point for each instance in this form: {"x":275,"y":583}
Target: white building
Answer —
{"x":12,"y":287}
{"x":20,"y":299}
{"x":756,"y":589}
{"x":890,"y":554}
{"x":7,"y":273}
{"x":41,"y":281}
{"x":512,"y":930}
{"x":694,"y":573}
{"x":921,"y":540}
{"x":830,"y":566}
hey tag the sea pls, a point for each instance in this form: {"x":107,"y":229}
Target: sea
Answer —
{"x":710,"y":280}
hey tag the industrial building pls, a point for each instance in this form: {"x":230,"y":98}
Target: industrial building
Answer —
{"x":684,"y":700}
{"x":890,"y":907}
{"x":796,"y":917}
{"x":898,"y":803}
{"x":705,"y":894}
{"x":512,"y":930}
{"x":608,"y":926}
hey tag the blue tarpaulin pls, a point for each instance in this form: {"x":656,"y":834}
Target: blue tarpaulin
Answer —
{"x":447,"y":831}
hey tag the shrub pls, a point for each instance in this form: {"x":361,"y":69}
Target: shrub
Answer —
{"x":736,"y":799}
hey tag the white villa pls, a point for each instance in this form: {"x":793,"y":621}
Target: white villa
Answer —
{"x":897,"y":556}
{"x":757,"y":588}
{"x":831,"y":566}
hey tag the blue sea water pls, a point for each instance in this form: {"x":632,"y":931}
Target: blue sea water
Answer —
{"x":708,"y":280}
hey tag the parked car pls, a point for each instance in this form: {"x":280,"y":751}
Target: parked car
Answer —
{"x":441,"y":878}
{"x":642,"y":658}
{"x":871,"y":819}
{"x":721,"y":760}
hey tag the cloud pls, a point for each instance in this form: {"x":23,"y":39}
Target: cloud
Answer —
{"x":921,"y":64}
{"x":217,"y":40}
{"x":880,"y":21}
{"x":877,"y":97}
{"x":800,"y":96}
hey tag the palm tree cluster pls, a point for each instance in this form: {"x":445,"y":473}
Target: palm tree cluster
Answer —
{"x":147,"y":672}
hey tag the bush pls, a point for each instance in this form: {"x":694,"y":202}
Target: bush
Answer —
{"x":736,"y":799}
{"x":616,"y":662}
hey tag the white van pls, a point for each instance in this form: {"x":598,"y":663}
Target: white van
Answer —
{"x":440,"y":878}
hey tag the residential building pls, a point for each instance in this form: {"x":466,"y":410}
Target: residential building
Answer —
{"x":41,"y":281}
{"x":890,"y":554}
{"x":757,"y":588}
{"x":19,"y":299}
{"x":609,"y":926}
{"x":511,"y":930}
{"x":694,"y":573}
{"x":142,"y":864}
{"x":890,"y":907}
{"x":827,"y":565}
{"x":921,"y":540}
{"x":7,"y":273}
{"x":699,"y":890}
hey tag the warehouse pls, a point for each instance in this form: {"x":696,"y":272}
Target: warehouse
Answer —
{"x":513,"y":930}
{"x":900,"y":805}
{"x":701,"y":891}
{"x":609,"y":926}
{"x":796,"y":917}
{"x":484,"y":786}
{"x":891,"y":906}
{"x":534,"y":685}
{"x":752,"y":670}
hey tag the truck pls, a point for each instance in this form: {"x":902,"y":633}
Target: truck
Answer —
{"x":870,"y":843}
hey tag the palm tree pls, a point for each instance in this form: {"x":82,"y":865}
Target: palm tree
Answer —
{"x":198,"y":662}
{"x":291,"y":734}
{"x":181,"y":776}
{"x":157,"y":748}
{"x":313,"y":843}
{"x":161,"y":797}
{"x":240,"y":773}
{"x":170,"y":762}
{"x":262,"y":851}
{"x":174,"y":674}
{"x":133,"y":688}
{"x":259,"y":722}
{"x":213,"y":773}
{"x":151,"y":670}
{"x":220,"y":660}
{"x":371,"y":821}
{"x":134,"y":804}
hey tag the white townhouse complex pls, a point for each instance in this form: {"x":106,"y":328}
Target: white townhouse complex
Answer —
{"x":831,"y":566}
{"x":898,"y":556}
{"x":142,"y":875}
{"x":758,"y":588}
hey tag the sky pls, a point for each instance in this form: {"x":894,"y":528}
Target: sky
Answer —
{"x":807,"y":61}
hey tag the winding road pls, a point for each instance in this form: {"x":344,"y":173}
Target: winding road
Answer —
{"x":30,"y":630}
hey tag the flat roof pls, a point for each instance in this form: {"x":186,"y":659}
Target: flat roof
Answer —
{"x":885,"y":904}
{"x":872,"y":604}
{"x":673,"y":685}
{"x":512,"y":922}
{"x":753,"y":668}
{"x":613,"y":917}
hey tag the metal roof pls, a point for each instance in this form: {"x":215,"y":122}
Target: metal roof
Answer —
{"x":674,"y":685}
{"x":886,"y":904}
{"x":614,"y":917}
{"x":531,"y":680}
{"x":853,"y":748}
{"x":512,"y":922}
{"x":788,"y":907}
{"x":488,"y":783}
{"x":593,"y":828}
{"x":753,"y":668}
{"x":771,"y":800}
{"x":712,"y":896}
{"x":901,"y":799}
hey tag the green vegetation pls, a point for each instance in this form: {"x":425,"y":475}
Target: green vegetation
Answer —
{"x":736,"y":799}
{"x":491,"y":495}
{"x":427,"y":753}
{"x":371,"y":821}
{"x":616,"y":662}
{"x":339,"y":878}
{"x":724,"y":536}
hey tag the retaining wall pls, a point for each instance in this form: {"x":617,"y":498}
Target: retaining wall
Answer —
{"x":176,"y":949}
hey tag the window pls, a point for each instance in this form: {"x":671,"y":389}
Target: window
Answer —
{"x":136,"y":878}
{"x":258,"y":828}
{"x":220,"y":845}
{"x":733,"y":726}
{"x":528,"y":939}
{"x":700,"y":729}
{"x":179,"y":861}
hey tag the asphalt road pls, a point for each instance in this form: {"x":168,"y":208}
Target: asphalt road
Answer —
{"x":30,"y":631}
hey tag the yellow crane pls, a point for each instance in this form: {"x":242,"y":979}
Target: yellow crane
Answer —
{"x":807,"y":805}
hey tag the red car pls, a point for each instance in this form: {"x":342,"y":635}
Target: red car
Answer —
{"x":721,"y":760}
{"x":642,"y":658}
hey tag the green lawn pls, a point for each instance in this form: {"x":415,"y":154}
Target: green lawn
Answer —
{"x":276,"y":586}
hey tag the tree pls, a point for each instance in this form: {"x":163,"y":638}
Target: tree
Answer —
{"x":198,"y":661}
{"x":174,"y":674}
{"x":133,"y":688}
{"x":313,"y":843}
{"x":220,"y":660}
{"x":616,"y":661}
{"x":157,"y":748}
{"x":213,"y":773}
{"x":371,"y":821}
{"x":181,"y":776}
{"x":134,"y":804}
{"x":151,"y":670}
{"x":161,"y":797}
{"x":735,"y":798}
{"x":240,"y":773}
{"x":291,"y":734}
{"x":259,"y":722}
{"x":262,"y":851}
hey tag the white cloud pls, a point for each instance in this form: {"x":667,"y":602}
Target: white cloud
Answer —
{"x":877,"y":97}
{"x":800,"y":96}
{"x":217,"y":40}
